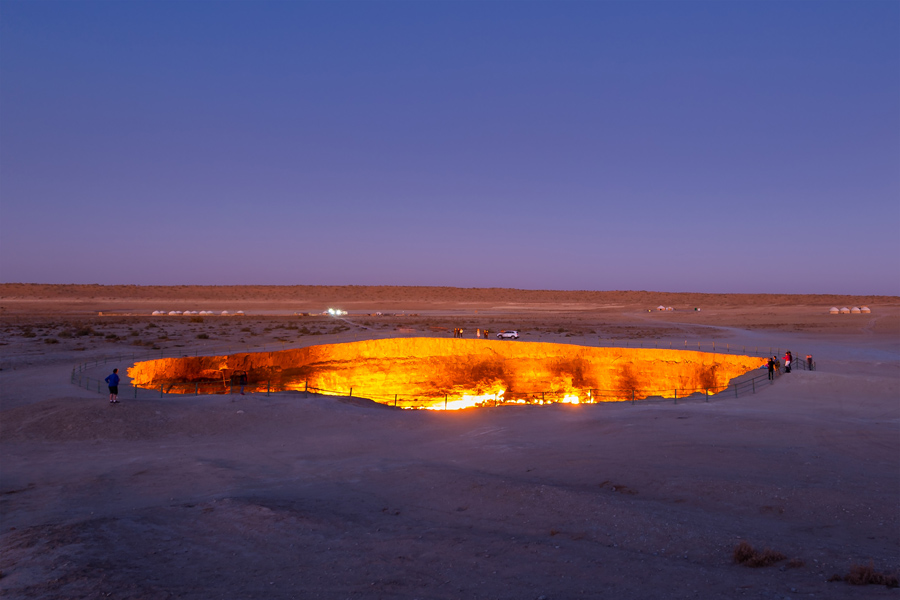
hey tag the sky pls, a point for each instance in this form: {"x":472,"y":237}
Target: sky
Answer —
{"x":747,"y":147}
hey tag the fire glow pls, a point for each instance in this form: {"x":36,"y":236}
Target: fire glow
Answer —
{"x":439,"y":373}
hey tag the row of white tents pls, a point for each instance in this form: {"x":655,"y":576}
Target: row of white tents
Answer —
{"x":188,"y":313}
{"x":849,"y":311}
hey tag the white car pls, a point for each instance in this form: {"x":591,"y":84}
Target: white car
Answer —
{"x":508,"y":335}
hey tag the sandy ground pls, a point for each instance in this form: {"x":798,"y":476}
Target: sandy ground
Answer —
{"x":290,"y":496}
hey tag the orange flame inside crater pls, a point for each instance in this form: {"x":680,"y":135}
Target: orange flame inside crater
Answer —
{"x":456,"y":373}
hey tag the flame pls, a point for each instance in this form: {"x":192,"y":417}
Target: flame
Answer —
{"x":455,"y":374}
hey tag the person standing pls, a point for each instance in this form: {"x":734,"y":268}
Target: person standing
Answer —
{"x":771,"y":365}
{"x":787,"y":362}
{"x":809,"y":362}
{"x":242,"y":380}
{"x":113,"y":382}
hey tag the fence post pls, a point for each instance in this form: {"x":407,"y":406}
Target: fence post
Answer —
{"x":632,"y":396}
{"x":351,"y":392}
{"x":306,"y":386}
{"x":268,"y":387}
{"x":197,"y":389}
{"x":445,"y":401}
{"x":395,"y":399}
{"x":676,"y":396}
{"x":753,"y":381}
{"x":160,"y":390}
{"x":707,"y":394}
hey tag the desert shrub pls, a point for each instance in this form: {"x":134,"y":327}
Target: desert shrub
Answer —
{"x":28,"y":333}
{"x":51,"y":341}
{"x":247,"y":329}
{"x":111,"y":336}
{"x":196,"y":319}
{"x":744,"y":554}
{"x":83,"y":331}
{"x":65,"y":334}
{"x":151,"y":325}
{"x":866,"y":575}
{"x":795,"y":563}
{"x":202,"y":336}
{"x":135,"y":333}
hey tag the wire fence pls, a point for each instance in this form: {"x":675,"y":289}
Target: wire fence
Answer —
{"x":749,"y":383}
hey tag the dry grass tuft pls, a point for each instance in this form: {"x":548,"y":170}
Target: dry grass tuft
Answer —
{"x":744,"y":554}
{"x":866,"y":575}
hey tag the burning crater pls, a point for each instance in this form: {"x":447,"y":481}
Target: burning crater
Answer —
{"x":455,"y":373}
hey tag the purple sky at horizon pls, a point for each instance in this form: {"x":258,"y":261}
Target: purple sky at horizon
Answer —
{"x":746,"y":147}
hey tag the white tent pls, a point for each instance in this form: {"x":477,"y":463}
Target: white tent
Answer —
{"x":834,"y":310}
{"x":660,"y":307}
{"x":845,"y":311}
{"x":855,"y":310}
{"x":865,"y":310}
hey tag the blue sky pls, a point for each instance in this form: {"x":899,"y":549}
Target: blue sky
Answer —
{"x":672,"y":146}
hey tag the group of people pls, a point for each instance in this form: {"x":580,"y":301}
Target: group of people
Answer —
{"x":775,"y":365}
{"x":479,"y":333}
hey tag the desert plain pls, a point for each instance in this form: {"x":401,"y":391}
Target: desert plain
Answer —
{"x":295,"y":495}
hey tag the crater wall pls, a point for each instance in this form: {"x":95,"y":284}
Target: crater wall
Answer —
{"x":428,"y":370}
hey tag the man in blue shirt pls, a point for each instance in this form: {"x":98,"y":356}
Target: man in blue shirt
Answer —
{"x":113,"y":382}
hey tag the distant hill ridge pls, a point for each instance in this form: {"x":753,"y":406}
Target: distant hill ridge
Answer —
{"x":360,"y":294}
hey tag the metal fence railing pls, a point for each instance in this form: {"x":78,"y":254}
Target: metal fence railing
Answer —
{"x":83,"y":376}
